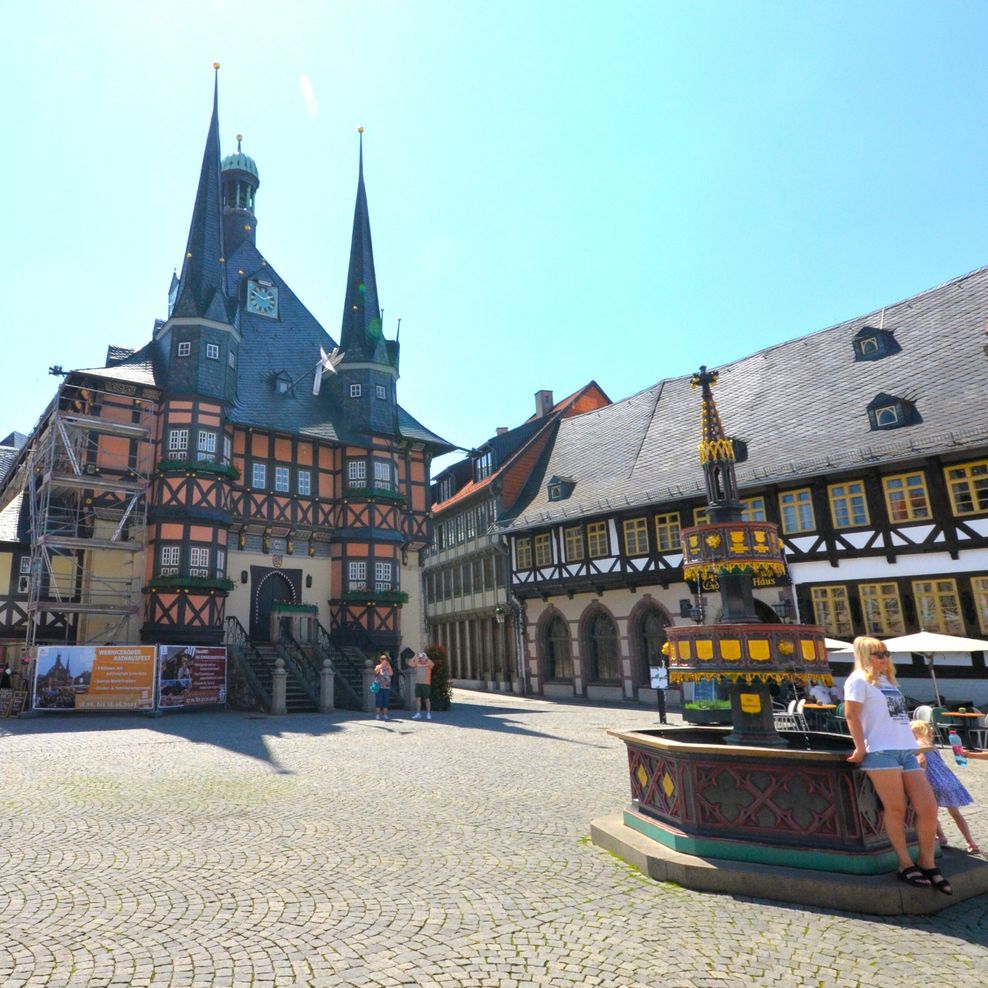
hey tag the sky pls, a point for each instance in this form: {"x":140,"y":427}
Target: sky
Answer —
{"x":559,"y":191}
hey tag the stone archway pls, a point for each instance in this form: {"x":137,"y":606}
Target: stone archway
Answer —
{"x":274,"y":587}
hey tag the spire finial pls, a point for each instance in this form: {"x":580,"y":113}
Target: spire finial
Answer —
{"x":240,"y":137}
{"x":216,"y":65}
{"x":360,"y":131}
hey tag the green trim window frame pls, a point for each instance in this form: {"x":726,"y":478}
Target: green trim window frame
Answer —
{"x":543,"y":550}
{"x":967,"y":484}
{"x":667,"y":532}
{"x":979,"y":590}
{"x":597,"y":544}
{"x":523,"y":553}
{"x":882,"y":609}
{"x":796,"y":509}
{"x":906,"y":497}
{"x":832,"y":610}
{"x":573,"y":542}
{"x":848,"y":506}
{"x":636,"y":536}
{"x":938,"y":606}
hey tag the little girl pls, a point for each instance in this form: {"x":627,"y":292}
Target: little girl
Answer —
{"x":949,"y":790}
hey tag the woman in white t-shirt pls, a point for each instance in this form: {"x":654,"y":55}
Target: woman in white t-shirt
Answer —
{"x":885,"y":748}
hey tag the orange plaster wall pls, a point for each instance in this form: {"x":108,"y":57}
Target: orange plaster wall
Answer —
{"x":171,"y":532}
{"x":200,"y":533}
{"x":239,"y":442}
{"x":259,"y":445}
{"x":283,"y":450}
{"x":178,"y":418}
{"x":304,"y":454}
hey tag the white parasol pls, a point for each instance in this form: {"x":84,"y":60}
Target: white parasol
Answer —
{"x":928,"y":643}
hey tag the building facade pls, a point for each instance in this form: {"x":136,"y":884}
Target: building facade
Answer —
{"x":867,"y":443}
{"x":469,"y":605}
{"x":239,"y":460}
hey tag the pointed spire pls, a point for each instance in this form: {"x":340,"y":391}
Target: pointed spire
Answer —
{"x":361,"y":335}
{"x":202,"y":270}
{"x":716,"y":452}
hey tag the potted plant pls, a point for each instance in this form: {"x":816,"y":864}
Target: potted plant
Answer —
{"x":707,"y":712}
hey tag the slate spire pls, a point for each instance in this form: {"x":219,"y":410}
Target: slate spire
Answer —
{"x":200,"y":290}
{"x":361,"y":334}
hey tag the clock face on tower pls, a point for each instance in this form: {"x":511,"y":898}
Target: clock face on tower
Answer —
{"x":262,"y":298}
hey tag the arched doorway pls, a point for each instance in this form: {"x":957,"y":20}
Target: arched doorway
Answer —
{"x":556,"y":646}
{"x":602,"y":637}
{"x":649,"y":639}
{"x":273,"y":588}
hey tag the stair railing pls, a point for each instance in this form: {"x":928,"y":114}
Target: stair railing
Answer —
{"x":346,"y":671}
{"x":240,"y":645}
{"x":299,"y":663}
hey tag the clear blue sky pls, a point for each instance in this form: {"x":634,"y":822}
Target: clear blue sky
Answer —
{"x":559,"y":191}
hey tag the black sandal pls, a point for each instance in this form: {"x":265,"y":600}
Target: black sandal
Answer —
{"x":914,"y":876}
{"x":937,"y":880}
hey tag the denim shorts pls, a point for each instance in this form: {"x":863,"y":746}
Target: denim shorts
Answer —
{"x":903,"y":759}
{"x":383,"y":697}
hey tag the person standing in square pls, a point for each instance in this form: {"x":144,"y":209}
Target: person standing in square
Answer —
{"x":422,"y":665}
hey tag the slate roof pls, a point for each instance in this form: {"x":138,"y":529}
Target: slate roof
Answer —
{"x":12,"y":524}
{"x":801,"y":405}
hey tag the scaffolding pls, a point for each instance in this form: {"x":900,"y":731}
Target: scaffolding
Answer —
{"x":85,"y":476}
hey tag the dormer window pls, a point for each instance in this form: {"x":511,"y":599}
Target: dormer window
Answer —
{"x":873,"y":344}
{"x":560,"y":488}
{"x":889,"y":412}
{"x":483,"y":464}
{"x":355,"y":390}
{"x":282,"y":383}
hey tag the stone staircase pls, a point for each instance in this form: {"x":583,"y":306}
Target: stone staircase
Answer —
{"x":262,"y":663}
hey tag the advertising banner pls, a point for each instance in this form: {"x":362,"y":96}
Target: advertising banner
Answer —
{"x":94,"y":677}
{"x":191,"y":675}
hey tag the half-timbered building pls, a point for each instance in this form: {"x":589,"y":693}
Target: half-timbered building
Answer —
{"x":469,"y":605}
{"x":240,"y":461}
{"x":867,"y":443}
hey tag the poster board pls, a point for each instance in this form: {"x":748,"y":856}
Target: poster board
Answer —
{"x":658,"y":677}
{"x":94,"y":677}
{"x":191,"y":675}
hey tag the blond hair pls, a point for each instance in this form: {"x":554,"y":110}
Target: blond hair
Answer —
{"x":863,"y":647}
{"x":922,"y":728}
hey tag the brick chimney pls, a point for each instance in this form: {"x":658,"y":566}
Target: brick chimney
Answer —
{"x":501,"y":430}
{"x":543,"y":403}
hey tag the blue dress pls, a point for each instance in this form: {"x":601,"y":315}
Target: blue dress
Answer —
{"x":948,"y":789}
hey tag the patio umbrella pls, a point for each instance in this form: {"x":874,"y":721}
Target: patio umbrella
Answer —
{"x":926,"y":643}
{"x":836,"y":645}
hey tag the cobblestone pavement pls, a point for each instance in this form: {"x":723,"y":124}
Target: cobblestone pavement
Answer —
{"x":219,"y":848}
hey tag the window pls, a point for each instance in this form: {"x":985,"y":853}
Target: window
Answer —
{"x":231,"y":359}
{"x":573,"y":539}
{"x":832,"y":610}
{"x":597,"y":539}
{"x":968,"y":487}
{"x":355,"y":391}
{"x":382,"y":577}
{"x":848,"y":507}
{"x":259,"y":476}
{"x":979,"y":588}
{"x":882,"y":609}
{"x":651,"y":638}
{"x":207,"y":443}
{"x":887,"y":416}
{"x":701,"y":516}
{"x":753,"y":509}
{"x":199,"y":556}
{"x":873,"y":344}
{"x":887,"y":411}
{"x":636,"y":536}
{"x":603,"y":649}
{"x":281,"y":480}
{"x":543,"y":550}
{"x":906,"y":497}
{"x":797,"y":511}
{"x":357,"y":576}
{"x":356,"y":473}
{"x":25,"y":565}
{"x":184,"y":349}
{"x":482,"y":465}
{"x":169,"y":556}
{"x":227,"y":449}
{"x":558,"y":661}
{"x":383,"y":475}
{"x":471,"y":517}
{"x":212,"y":351}
{"x":23,"y":584}
{"x":523,"y":554}
{"x":868,"y":347}
{"x":178,"y":440}
{"x":220,"y":563}
{"x":304,"y":483}
{"x":467,"y":578}
{"x":938,"y":607}
{"x":667,"y":533}
{"x":382,"y":391}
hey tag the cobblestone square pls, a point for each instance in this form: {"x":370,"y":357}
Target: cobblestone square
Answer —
{"x":221,"y":848}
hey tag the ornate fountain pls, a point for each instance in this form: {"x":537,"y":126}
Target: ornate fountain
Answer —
{"x":749,"y":792}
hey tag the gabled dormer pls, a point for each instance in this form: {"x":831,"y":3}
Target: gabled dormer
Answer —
{"x":560,"y":488}
{"x":873,"y":344}
{"x":891,"y":412}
